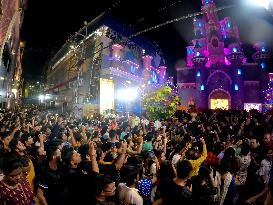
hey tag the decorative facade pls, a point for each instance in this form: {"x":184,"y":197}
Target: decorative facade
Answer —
{"x":11,"y":49}
{"x":218,"y":74}
{"x":104,"y":55}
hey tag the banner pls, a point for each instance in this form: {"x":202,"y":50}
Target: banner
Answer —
{"x":106,"y":94}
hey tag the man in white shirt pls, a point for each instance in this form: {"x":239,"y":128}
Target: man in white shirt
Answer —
{"x":127,"y":192}
{"x":129,"y":195}
{"x":265,"y":168}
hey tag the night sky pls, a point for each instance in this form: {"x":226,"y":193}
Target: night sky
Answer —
{"x":47,"y":25}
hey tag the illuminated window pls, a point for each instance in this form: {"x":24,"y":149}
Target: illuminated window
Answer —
{"x":132,"y":68}
{"x":219,"y":104}
{"x":234,"y":50}
{"x":190,"y":51}
{"x":202,"y":87}
{"x":262,"y":65}
{"x":154,"y":77}
{"x":228,"y":25}
{"x":198,"y":53}
{"x":239,"y":71}
{"x":236,"y":87}
{"x":198,"y":73}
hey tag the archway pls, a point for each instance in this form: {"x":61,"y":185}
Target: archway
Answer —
{"x":219,"y":99}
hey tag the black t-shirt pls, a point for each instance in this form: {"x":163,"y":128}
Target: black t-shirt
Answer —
{"x":174,"y":194}
{"x":110,"y":170}
{"x":202,"y":194}
{"x":78,"y":188}
{"x":49,"y":182}
{"x":257,"y":154}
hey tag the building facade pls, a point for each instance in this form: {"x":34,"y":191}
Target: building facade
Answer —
{"x":99,"y":63}
{"x":218,"y":74}
{"x":12,"y":12}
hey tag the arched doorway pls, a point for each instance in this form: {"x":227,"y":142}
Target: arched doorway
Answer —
{"x":219,"y":99}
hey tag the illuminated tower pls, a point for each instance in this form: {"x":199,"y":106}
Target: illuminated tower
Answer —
{"x":215,"y":41}
{"x":261,"y":56}
{"x":147,"y":66}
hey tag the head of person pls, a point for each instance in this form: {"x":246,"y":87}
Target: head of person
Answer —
{"x":183,"y":169}
{"x":5,"y":138}
{"x":112,"y":134}
{"x":27,"y":139}
{"x":244,"y":150}
{"x":70,"y":157}
{"x":204,"y":172}
{"x":224,"y":167}
{"x":84,"y":152}
{"x":130,"y":175}
{"x":99,"y":153}
{"x":254,"y":143}
{"x":166,"y":171}
{"x":269,"y":154}
{"x":192,"y":153}
{"x":48,"y":130}
{"x":53,"y":153}
{"x":267,"y":138}
{"x":229,"y":153}
{"x":149,"y":136}
{"x":12,"y":169}
{"x":105,"y":187}
{"x":16,"y":146}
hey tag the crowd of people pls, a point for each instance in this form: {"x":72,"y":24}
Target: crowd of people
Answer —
{"x":213,"y":157}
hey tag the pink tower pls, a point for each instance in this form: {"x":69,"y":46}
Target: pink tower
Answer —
{"x":116,"y":53}
{"x":215,"y":42}
{"x":162,"y":74}
{"x":147,"y":61}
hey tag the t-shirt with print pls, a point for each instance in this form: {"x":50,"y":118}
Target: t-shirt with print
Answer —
{"x":49,"y":182}
{"x":19,"y":195}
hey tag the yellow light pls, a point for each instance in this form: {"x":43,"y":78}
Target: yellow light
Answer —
{"x":219,"y":104}
{"x":106,"y":94}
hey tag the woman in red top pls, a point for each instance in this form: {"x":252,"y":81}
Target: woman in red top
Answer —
{"x":14,"y":188}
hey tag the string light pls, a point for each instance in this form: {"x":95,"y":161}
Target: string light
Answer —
{"x":160,"y":25}
{"x":178,"y":19}
{"x":158,"y":11}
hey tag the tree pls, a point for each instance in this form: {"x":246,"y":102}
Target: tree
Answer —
{"x":161,"y":103}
